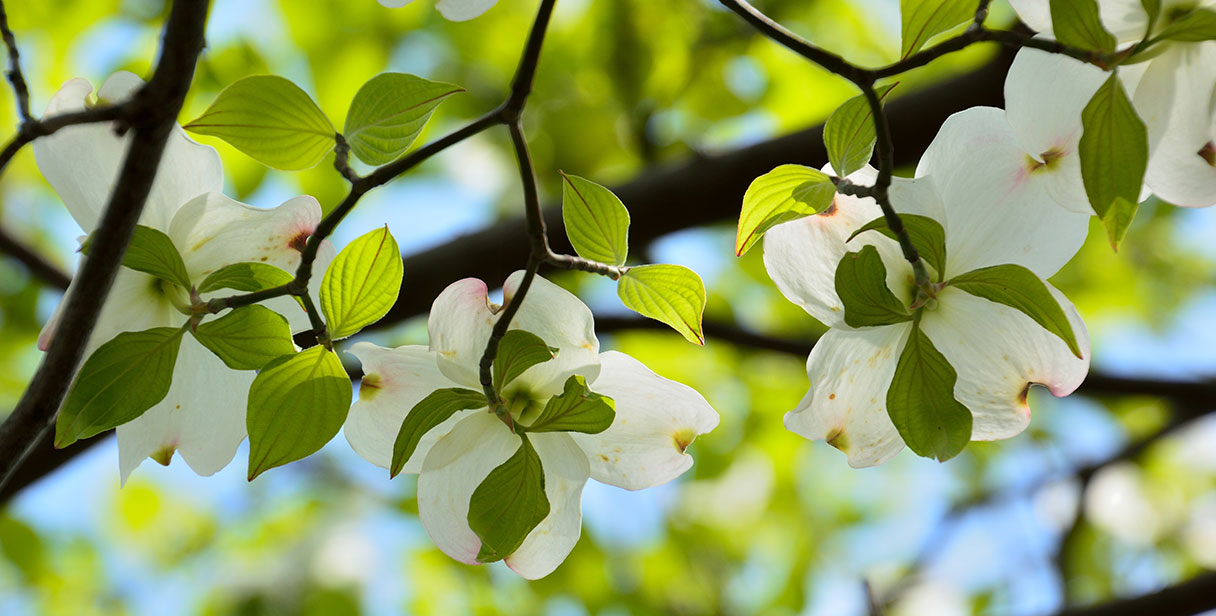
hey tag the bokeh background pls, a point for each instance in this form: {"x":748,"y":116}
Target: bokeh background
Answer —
{"x":1104,"y":496}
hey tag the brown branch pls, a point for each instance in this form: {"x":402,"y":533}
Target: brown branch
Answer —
{"x":1184,"y":599}
{"x":154,"y":110}
{"x":38,"y":266}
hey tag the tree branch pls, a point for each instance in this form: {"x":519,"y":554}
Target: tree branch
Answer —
{"x":1184,"y":599}
{"x":154,"y":112}
{"x":38,"y":266}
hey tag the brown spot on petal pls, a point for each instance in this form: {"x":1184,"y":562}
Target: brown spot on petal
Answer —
{"x":1022,"y":395}
{"x":164,"y":455}
{"x":830,"y":211}
{"x":684,"y":438}
{"x":1208,"y":153}
{"x":831,"y":396}
{"x":299,"y":241}
{"x":837,"y":439}
{"x":370,"y":386}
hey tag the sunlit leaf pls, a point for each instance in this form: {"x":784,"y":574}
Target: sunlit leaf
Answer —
{"x":672,"y":294}
{"x":849,"y":133}
{"x":786,"y":193}
{"x":247,"y":338}
{"x":361,"y":283}
{"x":389,"y":112}
{"x":597,"y":223}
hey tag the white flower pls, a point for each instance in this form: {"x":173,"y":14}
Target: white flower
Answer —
{"x":656,"y":418}
{"x":203,"y":415}
{"x":455,"y":10}
{"x":1172,"y":92}
{"x":996,"y":350}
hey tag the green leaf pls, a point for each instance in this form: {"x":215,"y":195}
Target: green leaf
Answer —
{"x":431,"y":411}
{"x":1079,"y":24}
{"x":924,"y":19}
{"x":849,"y":134}
{"x":271,"y":119}
{"x":389,"y":111}
{"x":509,"y":503}
{"x":153,"y":253}
{"x":1114,"y":153}
{"x":297,"y":403}
{"x":597,"y":223}
{"x":921,"y":401}
{"x":1198,"y":25}
{"x":1019,"y":288}
{"x":927,"y":236}
{"x":577,"y":409}
{"x":517,"y":351}
{"x":121,"y":379}
{"x":786,"y":193}
{"x":247,"y":277}
{"x":1117,"y":219}
{"x":361,"y":283}
{"x":1152,"y":8}
{"x":861,"y":283}
{"x":672,"y":294}
{"x":247,"y":338}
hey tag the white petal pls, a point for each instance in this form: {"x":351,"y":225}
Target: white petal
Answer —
{"x":562,"y":321}
{"x":81,"y":162}
{"x":135,"y":303}
{"x":213,"y":231}
{"x":656,"y":420}
{"x":394,"y":380}
{"x":459,"y":326}
{"x":998,"y":351}
{"x":996,"y":210}
{"x":566,"y":473}
{"x":1034,"y":13}
{"x":1044,"y":96}
{"x":202,"y":417}
{"x":1175,"y":99}
{"x":463,"y":10}
{"x":801,"y":255}
{"x":850,"y":372}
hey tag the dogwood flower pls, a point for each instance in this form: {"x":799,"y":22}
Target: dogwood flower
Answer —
{"x":1172,"y":92}
{"x":645,"y":446}
{"x":454,"y":10}
{"x":203,"y":415}
{"x":997,"y":351}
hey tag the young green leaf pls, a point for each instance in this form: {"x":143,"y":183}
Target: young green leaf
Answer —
{"x":924,"y":19}
{"x":517,"y":351}
{"x":786,"y":193}
{"x":577,"y":409}
{"x":672,"y":294}
{"x":388,"y":113}
{"x":271,"y":119}
{"x":861,"y":283}
{"x":597,"y":223}
{"x":849,"y":134}
{"x":509,"y":503}
{"x":297,"y":403}
{"x":431,"y":411}
{"x":153,"y":253}
{"x":927,"y":236}
{"x":247,"y":338}
{"x":1021,"y":289}
{"x":1198,"y":25}
{"x":1114,"y":152}
{"x":362,"y":283}
{"x":1117,"y":219}
{"x":247,"y":277}
{"x":121,"y":379}
{"x":1079,"y":24}
{"x":921,"y":401}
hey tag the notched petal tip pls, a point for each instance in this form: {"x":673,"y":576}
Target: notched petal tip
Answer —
{"x":164,"y":455}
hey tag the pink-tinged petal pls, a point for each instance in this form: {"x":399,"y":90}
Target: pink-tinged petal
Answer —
{"x":394,"y":380}
{"x":459,"y":325}
{"x":566,"y":473}
{"x":202,"y":417}
{"x":656,"y":420}
{"x":998,"y":352}
{"x":452,"y":470}
{"x":561,"y":320}
{"x":850,"y":372}
{"x":213,"y":231}
{"x":81,"y":162}
{"x":463,"y":10}
{"x":997,"y":207}
{"x":1044,"y":96}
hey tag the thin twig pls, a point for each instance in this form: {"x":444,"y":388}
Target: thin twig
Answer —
{"x":20,"y":90}
{"x":37,"y":265}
